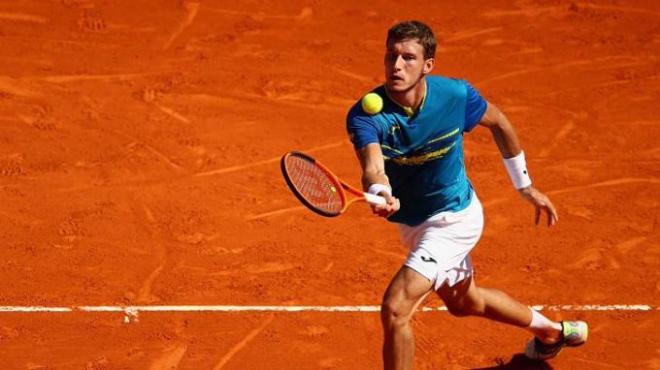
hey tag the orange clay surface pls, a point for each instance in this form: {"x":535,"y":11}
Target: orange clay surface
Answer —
{"x":139,"y":148}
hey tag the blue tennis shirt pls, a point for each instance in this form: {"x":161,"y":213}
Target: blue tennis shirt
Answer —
{"x":423,"y":150}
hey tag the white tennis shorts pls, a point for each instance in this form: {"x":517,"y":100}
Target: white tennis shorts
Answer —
{"x":440,"y":247}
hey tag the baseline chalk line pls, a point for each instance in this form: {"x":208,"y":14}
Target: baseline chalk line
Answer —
{"x":131,"y":313}
{"x":225,"y":308}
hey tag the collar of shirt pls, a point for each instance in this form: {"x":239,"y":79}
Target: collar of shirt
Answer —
{"x":409,"y":111}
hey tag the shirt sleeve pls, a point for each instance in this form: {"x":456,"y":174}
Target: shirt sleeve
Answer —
{"x":475,"y":107}
{"x":361,"y":129}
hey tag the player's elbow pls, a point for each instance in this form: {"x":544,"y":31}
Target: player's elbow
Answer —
{"x":493,"y":118}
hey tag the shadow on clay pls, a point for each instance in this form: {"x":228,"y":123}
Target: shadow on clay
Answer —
{"x":518,"y":362}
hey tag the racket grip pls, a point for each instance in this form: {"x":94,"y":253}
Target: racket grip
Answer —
{"x":375,"y":200}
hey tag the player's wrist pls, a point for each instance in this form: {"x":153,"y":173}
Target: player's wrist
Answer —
{"x":377,"y":189}
{"x":526,"y":191}
{"x":516,"y":167}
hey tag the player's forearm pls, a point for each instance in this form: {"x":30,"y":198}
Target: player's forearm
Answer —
{"x":373,"y":166}
{"x":369,"y":178}
{"x":506,"y":140}
{"x":373,"y":172}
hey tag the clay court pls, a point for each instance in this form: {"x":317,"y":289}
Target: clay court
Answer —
{"x":139,"y":150}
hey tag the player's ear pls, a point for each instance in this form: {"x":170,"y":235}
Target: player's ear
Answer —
{"x":428,"y":65}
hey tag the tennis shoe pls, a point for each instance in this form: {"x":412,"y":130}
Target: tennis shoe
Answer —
{"x":573,"y":334}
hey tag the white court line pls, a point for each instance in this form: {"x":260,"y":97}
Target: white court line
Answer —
{"x":208,"y":308}
{"x":131,"y":313}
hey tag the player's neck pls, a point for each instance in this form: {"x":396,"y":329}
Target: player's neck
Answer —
{"x":411,"y":98}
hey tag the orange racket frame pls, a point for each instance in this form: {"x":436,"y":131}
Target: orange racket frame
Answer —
{"x":340,"y":187}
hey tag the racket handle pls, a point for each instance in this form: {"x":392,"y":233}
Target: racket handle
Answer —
{"x":375,"y":200}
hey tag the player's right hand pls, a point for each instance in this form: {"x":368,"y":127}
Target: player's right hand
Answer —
{"x":391,"y":206}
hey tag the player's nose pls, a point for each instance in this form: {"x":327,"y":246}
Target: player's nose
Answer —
{"x":398,"y":63}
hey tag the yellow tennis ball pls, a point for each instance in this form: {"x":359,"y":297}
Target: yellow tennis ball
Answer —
{"x":372,"y":103}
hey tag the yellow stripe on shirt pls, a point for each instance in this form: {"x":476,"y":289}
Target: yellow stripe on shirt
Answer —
{"x":456,"y":131}
{"x":421,"y":159}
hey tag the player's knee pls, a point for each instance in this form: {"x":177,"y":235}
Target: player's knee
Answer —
{"x":458,"y":310}
{"x":394,"y":313}
{"x":468,"y":306}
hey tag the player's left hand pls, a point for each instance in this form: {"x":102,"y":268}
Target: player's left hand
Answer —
{"x":541,"y":204}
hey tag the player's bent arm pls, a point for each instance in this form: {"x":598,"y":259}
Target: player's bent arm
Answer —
{"x":373,"y":165}
{"x":508,"y":144}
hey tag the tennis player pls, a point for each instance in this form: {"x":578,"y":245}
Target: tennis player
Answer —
{"x":411,"y":153}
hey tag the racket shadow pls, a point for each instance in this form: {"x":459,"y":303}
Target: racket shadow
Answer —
{"x":518,"y":362}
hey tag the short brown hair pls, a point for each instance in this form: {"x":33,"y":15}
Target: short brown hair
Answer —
{"x":414,"y":30}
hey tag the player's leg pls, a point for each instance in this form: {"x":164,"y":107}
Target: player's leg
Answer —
{"x":549,"y":336}
{"x":406,"y":291}
{"x":466,"y":298}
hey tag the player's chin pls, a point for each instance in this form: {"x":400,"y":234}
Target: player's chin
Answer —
{"x":396,"y":85}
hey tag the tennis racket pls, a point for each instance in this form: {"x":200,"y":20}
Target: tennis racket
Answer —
{"x":318,"y":188}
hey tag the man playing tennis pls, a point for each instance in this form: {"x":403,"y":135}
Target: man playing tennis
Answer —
{"x":411,"y":153}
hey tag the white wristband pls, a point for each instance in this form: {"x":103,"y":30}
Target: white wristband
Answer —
{"x":375,"y":189}
{"x":517,"y":169}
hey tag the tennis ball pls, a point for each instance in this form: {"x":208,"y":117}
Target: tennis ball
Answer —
{"x":372,"y":103}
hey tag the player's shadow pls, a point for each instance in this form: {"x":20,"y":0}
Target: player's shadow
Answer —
{"x":518,"y":362}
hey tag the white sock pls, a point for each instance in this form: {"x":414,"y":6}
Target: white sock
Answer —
{"x":543,"y":327}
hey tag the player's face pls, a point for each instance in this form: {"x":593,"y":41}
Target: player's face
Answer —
{"x":405,"y":65}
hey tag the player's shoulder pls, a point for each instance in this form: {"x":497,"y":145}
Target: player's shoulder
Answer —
{"x":448,"y":86}
{"x":356,"y":113}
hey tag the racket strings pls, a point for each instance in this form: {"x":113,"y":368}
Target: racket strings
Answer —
{"x":314,"y":184}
